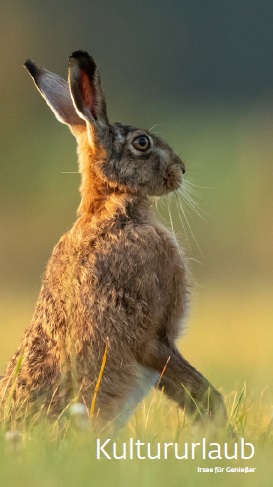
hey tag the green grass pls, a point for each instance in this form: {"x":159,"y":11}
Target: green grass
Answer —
{"x":64,"y":453}
{"x":230,"y":344}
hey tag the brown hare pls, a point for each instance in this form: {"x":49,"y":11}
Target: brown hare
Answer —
{"x":114,"y":293}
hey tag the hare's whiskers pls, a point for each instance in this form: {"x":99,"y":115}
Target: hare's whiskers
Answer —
{"x":156,"y":125}
{"x":183,"y":216}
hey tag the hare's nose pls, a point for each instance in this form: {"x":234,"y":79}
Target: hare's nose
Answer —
{"x":183,"y":167}
{"x":181,"y":164}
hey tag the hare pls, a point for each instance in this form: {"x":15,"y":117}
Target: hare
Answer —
{"x":114,"y":294}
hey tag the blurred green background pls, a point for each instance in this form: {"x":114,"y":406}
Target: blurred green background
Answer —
{"x":202,"y":71}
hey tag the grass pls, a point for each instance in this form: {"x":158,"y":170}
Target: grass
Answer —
{"x":64,"y":453}
{"x":225,"y":342}
{"x":229,"y":338}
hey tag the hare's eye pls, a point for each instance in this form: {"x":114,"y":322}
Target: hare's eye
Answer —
{"x":141,"y":143}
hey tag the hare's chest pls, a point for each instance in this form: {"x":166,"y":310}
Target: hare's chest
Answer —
{"x":174,"y":295}
{"x":170,"y":262}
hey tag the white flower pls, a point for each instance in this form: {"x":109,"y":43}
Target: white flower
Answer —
{"x":78,"y":410}
{"x":79,"y":415}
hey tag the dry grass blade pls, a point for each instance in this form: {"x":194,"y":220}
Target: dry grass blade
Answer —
{"x":92,"y":408}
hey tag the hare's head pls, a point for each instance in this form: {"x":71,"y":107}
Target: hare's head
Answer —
{"x":120,"y":157}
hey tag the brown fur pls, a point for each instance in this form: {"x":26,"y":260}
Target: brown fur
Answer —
{"x":116,"y":277}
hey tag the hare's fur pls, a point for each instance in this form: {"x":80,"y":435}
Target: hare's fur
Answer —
{"x":115,"y":280}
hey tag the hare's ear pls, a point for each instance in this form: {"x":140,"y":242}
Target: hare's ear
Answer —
{"x":55,"y":91}
{"x":87,"y":94}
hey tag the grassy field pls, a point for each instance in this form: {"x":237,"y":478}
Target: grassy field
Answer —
{"x":47,"y":456}
{"x":223,"y":342}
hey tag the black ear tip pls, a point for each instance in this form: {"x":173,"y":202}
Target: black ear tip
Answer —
{"x":83,"y":60}
{"x":79,"y":54}
{"x":32,"y":68}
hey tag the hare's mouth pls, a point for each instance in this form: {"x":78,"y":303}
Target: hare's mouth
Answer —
{"x":173,"y":178}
